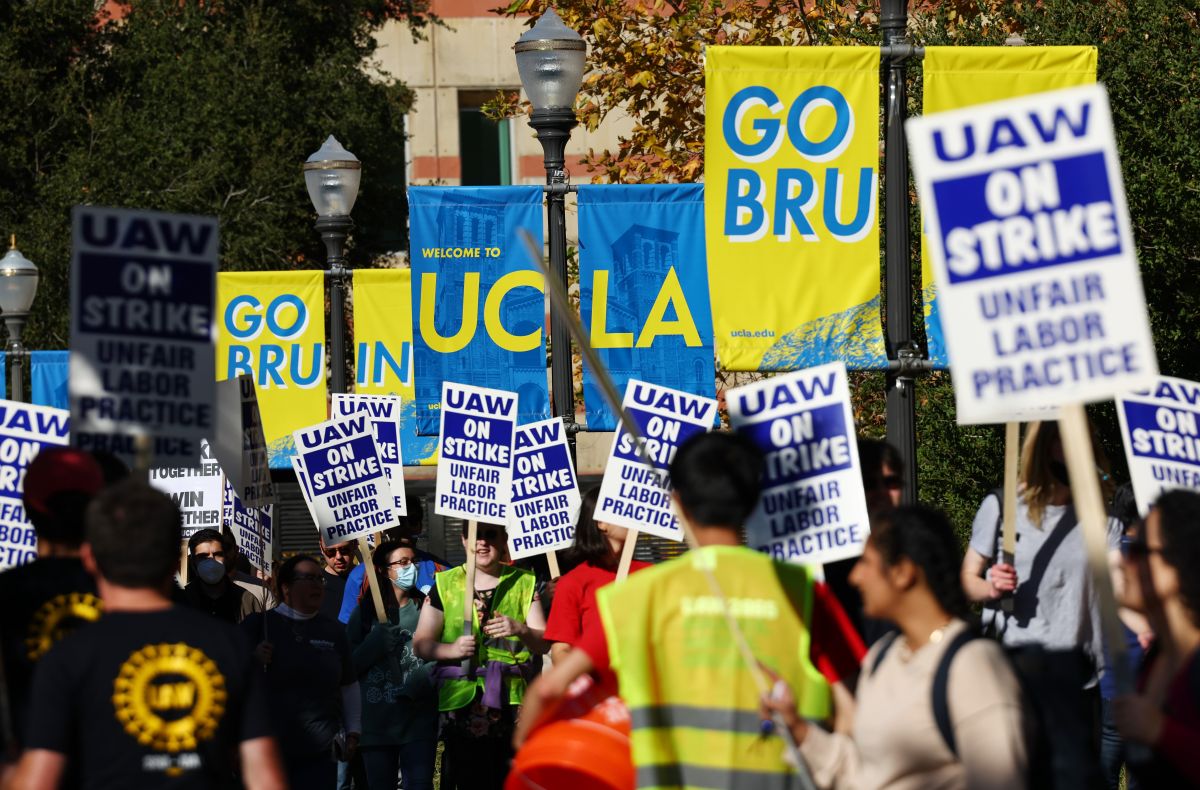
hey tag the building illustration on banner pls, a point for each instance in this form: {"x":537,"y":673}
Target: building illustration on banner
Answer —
{"x":642,"y":260}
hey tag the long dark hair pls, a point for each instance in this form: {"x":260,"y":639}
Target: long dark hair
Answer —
{"x":591,"y":545}
{"x":924,"y":536}
{"x":1179,"y":523}
{"x":380,"y":558}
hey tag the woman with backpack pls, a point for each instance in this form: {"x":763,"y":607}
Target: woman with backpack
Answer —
{"x":1051,"y":601}
{"x":399,"y":701}
{"x":936,"y":707}
{"x":1161,"y":581}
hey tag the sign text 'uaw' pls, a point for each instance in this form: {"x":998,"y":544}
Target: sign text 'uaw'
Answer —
{"x":1033,"y":252}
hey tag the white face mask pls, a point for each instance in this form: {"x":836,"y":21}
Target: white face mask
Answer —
{"x":210,"y":570}
{"x":406,"y":577}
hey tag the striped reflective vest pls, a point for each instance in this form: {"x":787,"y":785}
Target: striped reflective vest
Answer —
{"x":512,"y":597}
{"x":693,"y":702}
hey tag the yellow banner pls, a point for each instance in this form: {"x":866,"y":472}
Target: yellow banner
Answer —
{"x":272,"y":326}
{"x":791,"y":182}
{"x":383,"y":342}
{"x":957,"y":77}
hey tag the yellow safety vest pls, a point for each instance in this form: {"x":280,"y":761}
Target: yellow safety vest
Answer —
{"x":693,"y":702}
{"x":512,"y":597}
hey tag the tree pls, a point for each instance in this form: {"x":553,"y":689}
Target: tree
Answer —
{"x":646,"y":59}
{"x":200,"y":107}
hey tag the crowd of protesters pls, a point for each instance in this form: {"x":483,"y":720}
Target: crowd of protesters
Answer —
{"x":881,"y":673}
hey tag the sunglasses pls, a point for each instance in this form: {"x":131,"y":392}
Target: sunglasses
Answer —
{"x":1136,"y":548}
{"x":489,"y":534}
{"x":890,"y":482}
{"x":344,"y":551}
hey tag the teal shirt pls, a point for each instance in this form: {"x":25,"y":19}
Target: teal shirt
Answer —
{"x":399,"y":700}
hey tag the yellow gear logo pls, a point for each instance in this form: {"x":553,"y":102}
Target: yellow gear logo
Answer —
{"x":56,"y":618}
{"x":169,"y":697}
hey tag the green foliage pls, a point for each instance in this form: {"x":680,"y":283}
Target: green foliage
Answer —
{"x":200,"y":107}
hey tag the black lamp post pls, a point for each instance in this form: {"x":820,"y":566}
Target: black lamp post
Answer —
{"x":550,"y":59}
{"x":18,"y":287}
{"x":332,"y":175}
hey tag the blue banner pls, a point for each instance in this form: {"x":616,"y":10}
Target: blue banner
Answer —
{"x":478,"y":299}
{"x":48,"y":369}
{"x":643,"y":279}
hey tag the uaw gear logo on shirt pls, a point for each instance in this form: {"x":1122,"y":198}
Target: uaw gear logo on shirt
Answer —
{"x":170,"y":697}
{"x":57,"y":617}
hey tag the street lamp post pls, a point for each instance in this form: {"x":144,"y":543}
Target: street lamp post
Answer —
{"x":332,"y":175}
{"x":550,"y":60}
{"x":901,"y":383}
{"x":18,"y":287}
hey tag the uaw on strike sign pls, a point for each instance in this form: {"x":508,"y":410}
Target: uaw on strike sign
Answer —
{"x":813,"y":508}
{"x":1034,"y":256}
{"x":142,"y":357}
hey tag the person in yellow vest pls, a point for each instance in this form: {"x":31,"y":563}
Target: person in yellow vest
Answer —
{"x":480,"y":703}
{"x":693,"y":701}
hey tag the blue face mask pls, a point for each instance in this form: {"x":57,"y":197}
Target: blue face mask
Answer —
{"x":406,"y":577}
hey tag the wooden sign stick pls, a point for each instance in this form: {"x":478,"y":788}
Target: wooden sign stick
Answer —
{"x":627,"y":554}
{"x":364,"y":548}
{"x":183,"y":564}
{"x":1089,"y":509}
{"x":552,"y":560}
{"x":469,"y":593}
{"x":1008,"y":547}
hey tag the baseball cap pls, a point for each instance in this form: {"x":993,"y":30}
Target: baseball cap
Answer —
{"x":60,"y":470}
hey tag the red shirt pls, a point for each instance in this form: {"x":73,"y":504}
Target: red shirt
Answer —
{"x":575,"y":601}
{"x":834,"y":646}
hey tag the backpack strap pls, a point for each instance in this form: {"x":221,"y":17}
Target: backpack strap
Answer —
{"x":941,"y":683}
{"x":885,"y":643}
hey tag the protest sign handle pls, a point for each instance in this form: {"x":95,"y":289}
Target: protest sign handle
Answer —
{"x":552,"y":559}
{"x":364,"y":548}
{"x":143,"y":448}
{"x":469,"y":591}
{"x":1008,"y":547}
{"x":1089,"y":509}
{"x":183,"y":564}
{"x":627,"y":554}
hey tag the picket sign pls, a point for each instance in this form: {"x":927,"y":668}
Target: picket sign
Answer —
{"x":475,"y":450}
{"x":240,"y":445}
{"x":197,"y":490}
{"x":1033,"y":253}
{"x":1160,"y":427}
{"x":1037,"y":274}
{"x":635,"y":492}
{"x":813,"y":508}
{"x":364,"y":542}
{"x":24,"y":431}
{"x":350,"y":491}
{"x":142,"y":362}
{"x":384,"y":411}
{"x":545,"y":492}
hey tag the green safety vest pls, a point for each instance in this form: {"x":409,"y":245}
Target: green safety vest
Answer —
{"x":513,"y":597}
{"x":693,"y":702}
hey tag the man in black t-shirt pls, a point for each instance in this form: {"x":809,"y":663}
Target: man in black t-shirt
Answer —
{"x":151,"y":695}
{"x":44,"y":600}
{"x":339,"y":561}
